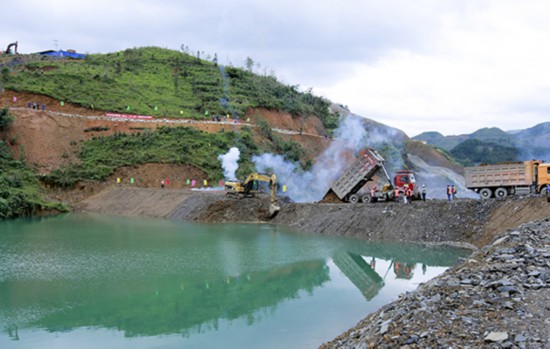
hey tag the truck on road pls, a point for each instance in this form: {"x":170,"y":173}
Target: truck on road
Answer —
{"x":509,"y":178}
{"x":369,"y":165}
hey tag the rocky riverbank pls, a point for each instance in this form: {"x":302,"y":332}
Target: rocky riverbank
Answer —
{"x":497,"y":298}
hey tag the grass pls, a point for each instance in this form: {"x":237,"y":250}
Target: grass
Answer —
{"x":101,"y":156}
{"x":159,"y":82}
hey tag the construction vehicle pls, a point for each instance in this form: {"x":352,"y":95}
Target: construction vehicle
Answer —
{"x":509,"y":178}
{"x":8,"y":50}
{"x":369,"y":166}
{"x":251,"y":185}
{"x":406,"y":178}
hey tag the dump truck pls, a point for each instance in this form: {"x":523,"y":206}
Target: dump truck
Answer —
{"x":508,"y":178}
{"x":368,"y":166}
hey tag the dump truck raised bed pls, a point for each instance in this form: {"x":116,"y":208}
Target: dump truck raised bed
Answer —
{"x":510,"y":178}
{"x":367,"y":165}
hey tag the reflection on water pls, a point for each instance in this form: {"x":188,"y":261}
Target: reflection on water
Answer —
{"x":115,"y":282}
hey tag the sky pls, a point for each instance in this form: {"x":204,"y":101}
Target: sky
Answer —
{"x":452,"y":66}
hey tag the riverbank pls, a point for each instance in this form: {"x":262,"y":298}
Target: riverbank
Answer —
{"x":473,"y":222}
{"x":497,"y":298}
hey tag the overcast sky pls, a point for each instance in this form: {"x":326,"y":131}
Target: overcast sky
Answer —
{"x":452,"y":66}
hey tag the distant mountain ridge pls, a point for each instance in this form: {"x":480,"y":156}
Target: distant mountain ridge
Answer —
{"x":528,"y":143}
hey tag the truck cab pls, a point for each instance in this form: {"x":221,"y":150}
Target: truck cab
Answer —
{"x":405,"y":177}
{"x":543,"y":177}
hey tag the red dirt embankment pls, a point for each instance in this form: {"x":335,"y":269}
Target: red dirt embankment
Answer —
{"x":50,"y":138}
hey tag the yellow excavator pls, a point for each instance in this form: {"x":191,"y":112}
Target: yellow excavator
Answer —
{"x":250,"y":186}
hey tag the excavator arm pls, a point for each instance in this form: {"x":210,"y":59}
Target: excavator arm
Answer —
{"x":250,"y":185}
{"x":14,"y":45}
{"x":262,"y":177}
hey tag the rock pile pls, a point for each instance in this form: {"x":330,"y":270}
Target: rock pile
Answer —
{"x":497,"y":298}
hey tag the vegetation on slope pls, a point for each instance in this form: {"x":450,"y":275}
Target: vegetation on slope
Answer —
{"x":159,"y":82}
{"x":19,"y":186}
{"x":474,"y":152}
{"x":101,"y":156}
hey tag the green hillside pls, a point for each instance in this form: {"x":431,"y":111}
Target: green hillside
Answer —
{"x":157,"y":82}
{"x":149,"y":81}
{"x":492,"y":145}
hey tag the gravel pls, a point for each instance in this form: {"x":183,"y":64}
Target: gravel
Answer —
{"x":498,"y":298}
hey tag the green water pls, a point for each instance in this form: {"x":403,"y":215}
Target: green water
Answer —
{"x":90,"y":281}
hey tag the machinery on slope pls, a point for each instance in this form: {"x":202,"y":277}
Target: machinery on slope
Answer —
{"x":251,"y":185}
{"x":8,"y":50}
{"x":510,"y":178}
{"x":368,"y":166}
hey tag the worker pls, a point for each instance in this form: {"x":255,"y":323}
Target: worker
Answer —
{"x":162,"y":183}
{"x":423,"y":192}
{"x":453,"y":189}
{"x":409,"y":194}
{"x":405,"y":196}
{"x":373,"y":197}
{"x":449,"y":192}
{"x":548,"y":192}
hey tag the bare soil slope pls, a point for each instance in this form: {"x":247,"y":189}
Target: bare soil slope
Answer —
{"x":50,"y":138}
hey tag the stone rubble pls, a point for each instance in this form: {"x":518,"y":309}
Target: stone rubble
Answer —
{"x":497,"y":298}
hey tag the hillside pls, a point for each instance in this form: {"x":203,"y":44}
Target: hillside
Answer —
{"x":491,"y":145}
{"x":157,"y":82}
{"x":73,"y":137}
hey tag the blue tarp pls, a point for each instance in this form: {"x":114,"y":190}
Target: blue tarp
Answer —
{"x":62,"y":54}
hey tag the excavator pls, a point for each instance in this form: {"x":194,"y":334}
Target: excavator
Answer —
{"x":250,"y":186}
{"x":14,"y":45}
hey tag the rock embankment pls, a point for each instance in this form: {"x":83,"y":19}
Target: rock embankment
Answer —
{"x":497,"y":298}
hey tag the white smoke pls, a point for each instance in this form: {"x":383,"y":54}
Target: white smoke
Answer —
{"x":230,"y":163}
{"x":310,"y":186}
{"x":437,"y":178}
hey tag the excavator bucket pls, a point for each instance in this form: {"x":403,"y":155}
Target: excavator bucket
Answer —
{"x":273,"y":210}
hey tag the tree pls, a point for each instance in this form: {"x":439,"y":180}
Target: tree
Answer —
{"x":249,"y":64}
{"x":5,"y":120}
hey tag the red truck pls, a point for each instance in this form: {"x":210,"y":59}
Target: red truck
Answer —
{"x":369,"y":167}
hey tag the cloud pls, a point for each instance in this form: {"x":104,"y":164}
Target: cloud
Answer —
{"x":487,"y":69}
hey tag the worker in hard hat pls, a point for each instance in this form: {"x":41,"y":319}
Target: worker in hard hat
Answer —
{"x":373,"y":197}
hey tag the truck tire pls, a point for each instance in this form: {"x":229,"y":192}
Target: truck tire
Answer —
{"x":365,"y":199}
{"x":485,"y":193}
{"x":501,"y":193}
{"x":354,"y":198}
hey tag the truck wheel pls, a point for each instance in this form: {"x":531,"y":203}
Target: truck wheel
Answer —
{"x":365,"y":199}
{"x":485,"y":193}
{"x":501,"y":193}
{"x":354,"y":199}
